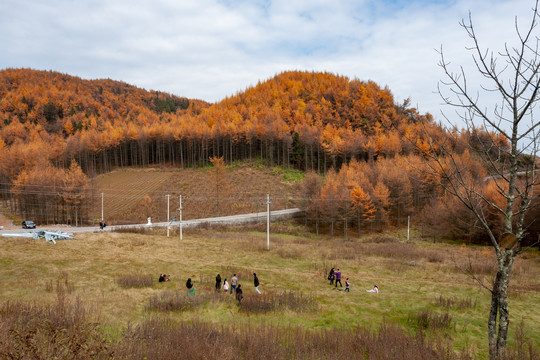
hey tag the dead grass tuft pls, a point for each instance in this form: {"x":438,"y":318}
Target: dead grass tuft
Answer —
{"x":428,"y":320}
{"x":163,"y":339}
{"x":381,"y":239}
{"x":291,"y":253}
{"x":180,"y":301}
{"x":254,"y":303}
{"x":59,"y":331}
{"x":241,"y":273}
{"x":455,"y":303}
{"x":63,"y":284}
{"x":135,"y":280}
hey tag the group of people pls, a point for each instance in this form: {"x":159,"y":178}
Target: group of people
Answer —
{"x":235,"y":286}
{"x":163,"y":277}
{"x":334,"y":276}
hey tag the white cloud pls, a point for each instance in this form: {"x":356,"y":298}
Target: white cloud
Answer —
{"x":210,"y":49}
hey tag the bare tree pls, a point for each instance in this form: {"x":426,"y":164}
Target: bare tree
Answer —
{"x":218,"y":179}
{"x":508,"y":152}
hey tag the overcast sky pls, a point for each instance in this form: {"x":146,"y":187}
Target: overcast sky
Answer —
{"x":210,"y":49}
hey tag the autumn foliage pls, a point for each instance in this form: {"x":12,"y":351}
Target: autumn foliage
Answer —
{"x":57,"y":130}
{"x":316,"y":119}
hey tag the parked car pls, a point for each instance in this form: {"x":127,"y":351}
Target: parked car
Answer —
{"x":28,"y":224}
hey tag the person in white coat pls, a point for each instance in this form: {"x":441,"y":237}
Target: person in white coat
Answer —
{"x":374,"y":290}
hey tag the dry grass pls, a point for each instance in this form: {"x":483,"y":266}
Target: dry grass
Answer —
{"x":135,"y":280}
{"x":289,"y":253}
{"x":181,"y":301}
{"x":161,"y":339}
{"x":61,"y":330}
{"x":428,"y":320}
{"x":290,"y":300}
{"x":88,"y":268}
{"x":455,"y":303}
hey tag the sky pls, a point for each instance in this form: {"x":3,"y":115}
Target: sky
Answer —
{"x":211,"y":49}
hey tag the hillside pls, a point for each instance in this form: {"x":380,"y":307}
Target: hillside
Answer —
{"x":309,"y":120}
{"x":57,"y":127}
{"x":131,"y":195}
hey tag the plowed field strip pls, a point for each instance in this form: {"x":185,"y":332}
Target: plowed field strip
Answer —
{"x":124,"y":190}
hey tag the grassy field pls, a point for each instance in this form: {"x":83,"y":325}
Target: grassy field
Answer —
{"x":420,"y":285}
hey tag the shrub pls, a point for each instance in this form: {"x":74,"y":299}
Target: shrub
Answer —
{"x":58,"y":331}
{"x":164,"y":339}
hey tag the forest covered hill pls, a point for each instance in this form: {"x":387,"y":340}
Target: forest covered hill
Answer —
{"x":57,"y":131}
{"x":310,"y":120}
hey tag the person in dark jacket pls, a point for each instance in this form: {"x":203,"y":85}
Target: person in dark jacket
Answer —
{"x":331,"y":276}
{"x":218,"y":282}
{"x":190,"y":288}
{"x":256,"y":283}
{"x":239,"y":295}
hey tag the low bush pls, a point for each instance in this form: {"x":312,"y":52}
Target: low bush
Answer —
{"x":65,"y":330}
{"x":163,"y":339}
{"x":59,"y":331}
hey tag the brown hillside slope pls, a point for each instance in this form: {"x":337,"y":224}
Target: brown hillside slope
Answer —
{"x":131,"y":195}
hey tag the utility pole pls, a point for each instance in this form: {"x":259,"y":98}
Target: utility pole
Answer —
{"x":180,"y":210}
{"x":267,"y":221}
{"x":168,"y":215}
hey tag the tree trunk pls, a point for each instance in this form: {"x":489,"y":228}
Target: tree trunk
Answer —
{"x":499,"y":307}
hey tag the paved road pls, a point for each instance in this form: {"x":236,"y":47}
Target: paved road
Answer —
{"x":226,"y":220}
